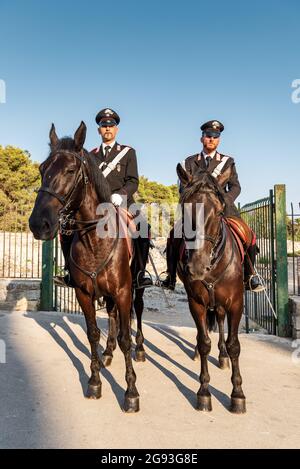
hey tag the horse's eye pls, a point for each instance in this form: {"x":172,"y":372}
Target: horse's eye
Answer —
{"x":71,"y":171}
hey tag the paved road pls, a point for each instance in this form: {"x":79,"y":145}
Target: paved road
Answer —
{"x":42,"y":384}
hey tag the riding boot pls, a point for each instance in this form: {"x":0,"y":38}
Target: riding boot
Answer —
{"x":251,"y":279}
{"x":142,"y":246}
{"x":170,"y":281}
{"x":65,"y":280}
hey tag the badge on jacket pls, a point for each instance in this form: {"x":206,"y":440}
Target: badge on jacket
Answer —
{"x":118,"y":167}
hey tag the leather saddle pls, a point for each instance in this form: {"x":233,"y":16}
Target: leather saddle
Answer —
{"x":243,"y":234}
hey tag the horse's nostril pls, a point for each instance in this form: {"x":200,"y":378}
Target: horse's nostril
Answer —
{"x":45,"y":225}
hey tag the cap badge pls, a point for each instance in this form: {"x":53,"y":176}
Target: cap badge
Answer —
{"x":108,"y":112}
{"x":215,"y":125}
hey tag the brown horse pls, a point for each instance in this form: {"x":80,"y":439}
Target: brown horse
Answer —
{"x":72,"y":189}
{"x":213,"y":278}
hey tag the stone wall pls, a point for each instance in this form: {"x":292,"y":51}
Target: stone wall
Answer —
{"x":19,"y":294}
{"x":294,"y":308}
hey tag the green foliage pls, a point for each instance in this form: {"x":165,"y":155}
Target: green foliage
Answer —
{"x":160,"y":203}
{"x":19,"y":176}
{"x":154,"y":192}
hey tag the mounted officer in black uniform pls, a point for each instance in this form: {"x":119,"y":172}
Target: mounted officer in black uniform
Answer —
{"x":223,"y":168}
{"x":118,"y":164}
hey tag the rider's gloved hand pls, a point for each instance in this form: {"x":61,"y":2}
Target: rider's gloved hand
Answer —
{"x":116,"y":200}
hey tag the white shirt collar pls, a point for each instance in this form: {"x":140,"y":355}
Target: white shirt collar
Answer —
{"x":212,"y":154}
{"x":104,"y":145}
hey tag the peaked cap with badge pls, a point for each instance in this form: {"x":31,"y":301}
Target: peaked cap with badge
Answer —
{"x":107,"y":117}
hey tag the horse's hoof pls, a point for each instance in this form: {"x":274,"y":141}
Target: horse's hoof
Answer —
{"x":106,"y":360}
{"x":224,"y":363}
{"x":204,"y":403}
{"x":131,"y":405}
{"x":238,"y":405}
{"x":140,"y":356}
{"x":93,"y":392}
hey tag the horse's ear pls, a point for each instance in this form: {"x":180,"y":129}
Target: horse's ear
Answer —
{"x":53,"y":137}
{"x":184,"y":177}
{"x":79,"y":136}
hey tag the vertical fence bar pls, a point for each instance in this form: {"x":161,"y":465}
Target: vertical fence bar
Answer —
{"x":293,"y":250}
{"x":273,"y":267}
{"x":47,"y":277}
{"x":281,"y":260}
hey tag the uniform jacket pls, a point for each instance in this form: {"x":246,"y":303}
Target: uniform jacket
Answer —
{"x":124,"y":179}
{"x":228,"y":179}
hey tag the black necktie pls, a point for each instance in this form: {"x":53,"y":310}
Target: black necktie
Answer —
{"x":208,"y":160}
{"x":107,"y":150}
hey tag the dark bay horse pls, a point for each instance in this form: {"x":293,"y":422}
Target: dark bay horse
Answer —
{"x":213,"y":279}
{"x":72,"y":188}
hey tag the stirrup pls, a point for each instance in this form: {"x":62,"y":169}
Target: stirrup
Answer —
{"x":159,"y":280}
{"x":259,"y":288}
{"x":161,"y":283}
{"x":63,"y":281}
{"x":138,"y":284}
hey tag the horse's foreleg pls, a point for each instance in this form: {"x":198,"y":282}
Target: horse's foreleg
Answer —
{"x":139,"y":307}
{"x":111,"y":343}
{"x":204,"y":345}
{"x":131,"y":402}
{"x":238,"y":400}
{"x":223,"y":355}
{"x":93,"y":333}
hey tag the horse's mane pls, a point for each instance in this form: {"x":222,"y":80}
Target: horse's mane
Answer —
{"x":203,"y":182}
{"x":96,"y":177}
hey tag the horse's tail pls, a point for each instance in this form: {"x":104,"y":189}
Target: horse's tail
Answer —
{"x":211,"y":318}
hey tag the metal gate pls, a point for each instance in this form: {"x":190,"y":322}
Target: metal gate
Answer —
{"x":267,"y":217}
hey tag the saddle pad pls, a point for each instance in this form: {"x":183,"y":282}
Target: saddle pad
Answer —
{"x":239,"y":244}
{"x":127,"y":226}
{"x":239,"y":227}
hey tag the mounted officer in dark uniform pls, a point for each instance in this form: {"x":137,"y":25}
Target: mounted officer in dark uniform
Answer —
{"x":118,"y":164}
{"x":223,"y":168}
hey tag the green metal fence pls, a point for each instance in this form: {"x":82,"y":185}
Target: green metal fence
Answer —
{"x":54,"y":297}
{"x":267,"y":217}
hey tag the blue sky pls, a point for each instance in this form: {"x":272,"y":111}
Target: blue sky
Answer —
{"x":166,"y":67}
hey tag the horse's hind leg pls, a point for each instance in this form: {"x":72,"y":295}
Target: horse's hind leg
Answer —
{"x":111,"y":343}
{"x":238,"y":400}
{"x":131,"y":402}
{"x":204,"y":345}
{"x":223,"y":355}
{"x":93,"y":333}
{"x":139,"y":307}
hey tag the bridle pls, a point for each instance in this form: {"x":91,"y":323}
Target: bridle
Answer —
{"x":67,"y":225}
{"x":67,"y":200}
